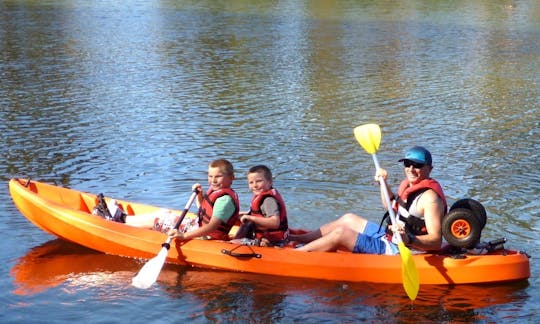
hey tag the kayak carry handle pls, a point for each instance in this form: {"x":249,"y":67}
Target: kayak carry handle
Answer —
{"x":241,"y":255}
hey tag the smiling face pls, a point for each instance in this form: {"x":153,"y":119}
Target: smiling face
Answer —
{"x":258,"y":183}
{"x":416,"y":172}
{"x":217,"y":179}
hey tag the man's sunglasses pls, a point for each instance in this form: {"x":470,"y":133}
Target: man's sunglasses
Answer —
{"x":416,"y":165}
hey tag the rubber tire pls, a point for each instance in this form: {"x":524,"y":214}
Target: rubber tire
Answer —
{"x":475,"y":206}
{"x":461,"y":228}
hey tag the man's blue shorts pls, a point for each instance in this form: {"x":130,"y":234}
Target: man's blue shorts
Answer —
{"x":373,"y":241}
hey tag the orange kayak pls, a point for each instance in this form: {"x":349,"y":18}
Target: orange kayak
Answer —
{"x":67,"y":214}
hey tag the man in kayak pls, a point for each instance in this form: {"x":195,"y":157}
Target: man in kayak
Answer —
{"x":266,"y":220}
{"x":219,"y":207}
{"x":420,"y":206}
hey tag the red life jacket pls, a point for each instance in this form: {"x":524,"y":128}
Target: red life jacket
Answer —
{"x":207,"y":209}
{"x":272,"y":235}
{"x":407,"y":194}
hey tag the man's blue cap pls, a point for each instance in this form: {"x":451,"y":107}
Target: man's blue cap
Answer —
{"x":418,"y":154}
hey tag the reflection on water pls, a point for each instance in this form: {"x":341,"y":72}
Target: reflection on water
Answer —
{"x":220,"y":295}
{"x":58,"y":262}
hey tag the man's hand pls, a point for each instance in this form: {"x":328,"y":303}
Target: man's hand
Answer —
{"x":381,"y":173}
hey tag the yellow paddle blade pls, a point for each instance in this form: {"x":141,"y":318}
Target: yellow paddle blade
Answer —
{"x":369,"y":137}
{"x":411,"y":283}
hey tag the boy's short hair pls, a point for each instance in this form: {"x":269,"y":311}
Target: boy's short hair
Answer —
{"x":267,"y":174}
{"x":224,"y":165}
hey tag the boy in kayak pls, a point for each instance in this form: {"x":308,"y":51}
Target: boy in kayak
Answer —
{"x":420,"y":206}
{"x":219,"y":207}
{"x":266,"y":220}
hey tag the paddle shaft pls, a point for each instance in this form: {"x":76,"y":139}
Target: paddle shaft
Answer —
{"x":182,"y":216}
{"x":382,"y":182}
{"x":186,"y":209}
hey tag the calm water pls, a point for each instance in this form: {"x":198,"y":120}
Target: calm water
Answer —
{"x":134,"y":100}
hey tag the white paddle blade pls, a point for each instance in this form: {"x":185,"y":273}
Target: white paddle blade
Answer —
{"x":150,"y":272}
{"x":369,"y":137}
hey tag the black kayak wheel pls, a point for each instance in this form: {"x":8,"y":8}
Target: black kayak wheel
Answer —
{"x":475,"y":206}
{"x":461,"y":228}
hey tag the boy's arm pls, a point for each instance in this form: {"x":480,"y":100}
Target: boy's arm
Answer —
{"x":270,"y":210}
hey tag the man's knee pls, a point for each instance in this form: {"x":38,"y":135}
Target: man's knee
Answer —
{"x":348,"y":217}
{"x":352,"y":221}
{"x":337,"y":233}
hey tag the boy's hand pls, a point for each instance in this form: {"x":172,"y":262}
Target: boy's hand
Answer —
{"x":174,"y":233}
{"x":197,"y":187}
{"x":245,"y":218}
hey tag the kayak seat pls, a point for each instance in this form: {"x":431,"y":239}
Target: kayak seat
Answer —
{"x":87,"y":203}
{"x":83,"y":206}
{"x":128,"y":209}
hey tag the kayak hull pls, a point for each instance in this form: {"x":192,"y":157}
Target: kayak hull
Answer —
{"x":66,"y":213}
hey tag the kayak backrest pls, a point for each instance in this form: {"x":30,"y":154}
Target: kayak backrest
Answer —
{"x":87,"y":203}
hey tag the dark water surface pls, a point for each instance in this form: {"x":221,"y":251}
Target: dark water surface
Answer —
{"x":134,"y":98}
